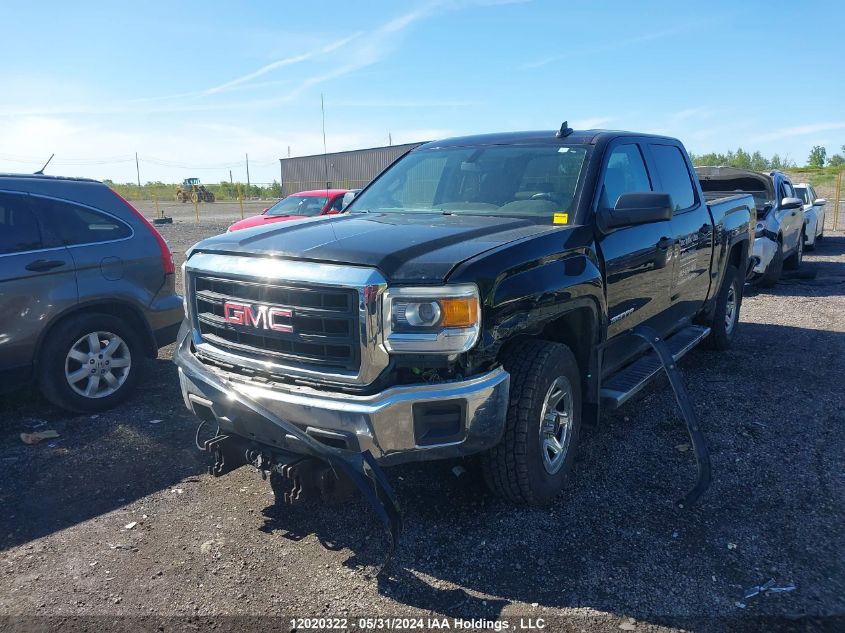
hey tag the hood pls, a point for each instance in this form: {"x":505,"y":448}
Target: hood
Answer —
{"x":261,"y":220}
{"x":404,"y":247}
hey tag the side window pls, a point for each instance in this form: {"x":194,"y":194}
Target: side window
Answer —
{"x":626,"y":173}
{"x":19,"y":229}
{"x":786,"y":190}
{"x":337,"y":205}
{"x":674,"y":175}
{"x":71,"y":224}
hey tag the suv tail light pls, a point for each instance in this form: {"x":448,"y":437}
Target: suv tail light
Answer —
{"x":166,"y":255}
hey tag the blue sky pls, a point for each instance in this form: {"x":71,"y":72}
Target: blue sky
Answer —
{"x":193,"y":86}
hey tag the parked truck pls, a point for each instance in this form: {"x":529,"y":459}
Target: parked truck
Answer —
{"x":478,"y":297}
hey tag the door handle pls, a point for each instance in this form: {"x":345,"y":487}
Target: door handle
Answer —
{"x":665,"y":242}
{"x":42,"y":265}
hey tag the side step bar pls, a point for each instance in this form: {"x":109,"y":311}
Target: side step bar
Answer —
{"x":622,"y":386}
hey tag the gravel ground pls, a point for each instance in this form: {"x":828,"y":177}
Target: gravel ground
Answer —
{"x":614,"y":547}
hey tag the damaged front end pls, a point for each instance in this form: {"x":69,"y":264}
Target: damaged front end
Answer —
{"x":300,"y":464}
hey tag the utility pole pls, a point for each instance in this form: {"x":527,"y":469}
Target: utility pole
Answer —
{"x":288,"y":151}
{"x":390,"y":139}
{"x":282,"y":174}
{"x":231,"y":182}
{"x":247,"y":174}
{"x":137,"y":170}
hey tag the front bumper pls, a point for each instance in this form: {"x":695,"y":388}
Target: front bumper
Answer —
{"x":762,"y":253}
{"x":400,"y":424}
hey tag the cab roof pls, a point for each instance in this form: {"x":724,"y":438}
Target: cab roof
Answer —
{"x":539,"y":137}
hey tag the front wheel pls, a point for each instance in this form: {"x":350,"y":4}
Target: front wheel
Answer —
{"x":533,"y":460}
{"x":90,"y":362}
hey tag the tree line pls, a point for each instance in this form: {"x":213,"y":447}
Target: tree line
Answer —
{"x":758,"y":162}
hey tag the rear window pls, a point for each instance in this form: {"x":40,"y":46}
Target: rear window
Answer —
{"x":674,"y":175}
{"x":72,"y":224}
{"x":19,"y":229}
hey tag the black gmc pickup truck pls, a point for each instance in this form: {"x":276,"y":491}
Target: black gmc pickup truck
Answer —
{"x":477,"y":297}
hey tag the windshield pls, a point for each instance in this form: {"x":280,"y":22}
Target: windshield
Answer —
{"x":305,"y":206}
{"x":804,"y":194}
{"x":536,"y":182}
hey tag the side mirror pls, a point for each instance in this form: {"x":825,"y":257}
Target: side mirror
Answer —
{"x":348,"y":197}
{"x":632,"y":209}
{"x":266,"y":209}
{"x":819,"y":202}
{"x":791,"y":203}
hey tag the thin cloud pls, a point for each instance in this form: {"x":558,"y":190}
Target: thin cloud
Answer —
{"x":799,"y":130}
{"x":279,"y":63}
{"x":624,"y":43}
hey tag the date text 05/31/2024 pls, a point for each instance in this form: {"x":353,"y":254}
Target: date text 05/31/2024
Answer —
{"x":410,"y":624}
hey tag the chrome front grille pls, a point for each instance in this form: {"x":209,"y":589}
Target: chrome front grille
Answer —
{"x":321,"y":329}
{"x":320,"y":322}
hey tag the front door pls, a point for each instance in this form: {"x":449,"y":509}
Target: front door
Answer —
{"x":637,"y":258}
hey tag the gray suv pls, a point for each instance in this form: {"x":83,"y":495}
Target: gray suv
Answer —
{"x":87,"y":290}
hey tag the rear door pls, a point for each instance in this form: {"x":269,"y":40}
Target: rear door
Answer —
{"x":37,"y":282}
{"x":110,"y":263}
{"x":692,"y":230}
{"x":637,"y":258}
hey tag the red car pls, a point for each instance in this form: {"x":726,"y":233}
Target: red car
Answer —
{"x":305,"y":204}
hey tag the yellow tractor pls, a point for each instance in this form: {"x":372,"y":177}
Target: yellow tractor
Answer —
{"x":192,"y":189}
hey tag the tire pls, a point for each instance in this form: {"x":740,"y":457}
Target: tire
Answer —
{"x":67,"y":351}
{"x":793,"y":262}
{"x":726,"y":317}
{"x":773,"y":271}
{"x":515,"y":469}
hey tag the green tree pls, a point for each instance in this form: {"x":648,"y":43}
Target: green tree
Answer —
{"x":837,"y":160}
{"x":817,"y":156}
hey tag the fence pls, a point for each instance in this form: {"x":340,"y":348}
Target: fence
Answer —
{"x":829,"y":185}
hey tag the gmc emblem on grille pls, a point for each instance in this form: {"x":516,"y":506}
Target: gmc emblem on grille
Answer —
{"x":261,"y":317}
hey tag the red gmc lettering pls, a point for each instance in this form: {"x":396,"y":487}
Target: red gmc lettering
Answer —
{"x":257,"y":316}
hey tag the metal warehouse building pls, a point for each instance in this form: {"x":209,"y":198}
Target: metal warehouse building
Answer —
{"x":345,"y":170}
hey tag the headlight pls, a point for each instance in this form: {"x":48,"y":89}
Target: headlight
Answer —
{"x":759,"y":229}
{"x":432,"y":320}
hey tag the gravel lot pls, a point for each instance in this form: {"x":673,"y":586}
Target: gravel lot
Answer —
{"x":614,"y":547}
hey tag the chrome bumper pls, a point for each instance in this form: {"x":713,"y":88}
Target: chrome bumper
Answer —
{"x":382,"y":423}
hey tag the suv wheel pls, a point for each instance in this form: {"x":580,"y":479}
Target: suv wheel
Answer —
{"x":794,"y":260}
{"x":533,"y":461}
{"x":726,"y":318}
{"x":774,"y":270}
{"x":90,"y":362}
